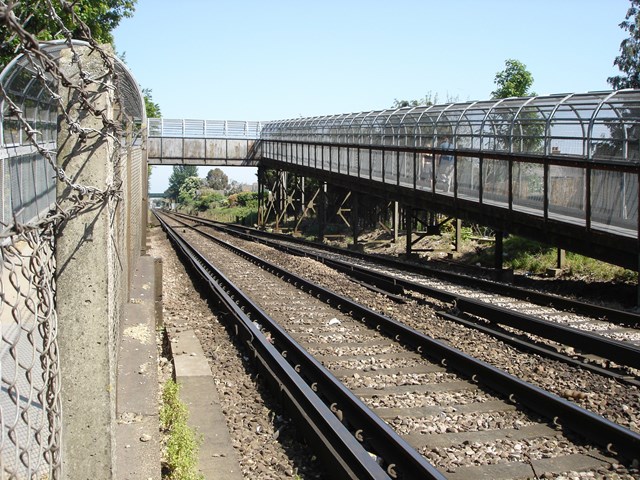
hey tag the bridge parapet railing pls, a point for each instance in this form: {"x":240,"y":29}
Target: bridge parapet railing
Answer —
{"x":181,"y":128}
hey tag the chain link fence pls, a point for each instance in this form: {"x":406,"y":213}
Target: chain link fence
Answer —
{"x":33,"y":215}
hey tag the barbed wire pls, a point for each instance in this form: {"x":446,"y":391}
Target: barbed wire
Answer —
{"x":46,"y":69}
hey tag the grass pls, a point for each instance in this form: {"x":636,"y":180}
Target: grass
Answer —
{"x":527,"y":255}
{"x":182,"y":445}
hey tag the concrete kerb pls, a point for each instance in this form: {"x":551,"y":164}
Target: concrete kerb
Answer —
{"x":198,"y":391}
{"x":138,"y":439}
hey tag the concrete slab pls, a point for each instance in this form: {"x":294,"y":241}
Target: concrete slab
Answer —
{"x":198,"y":391}
{"x":188,"y":356}
{"x":137,"y":452}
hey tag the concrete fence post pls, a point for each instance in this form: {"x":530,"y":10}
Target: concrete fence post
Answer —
{"x":85,"y":282}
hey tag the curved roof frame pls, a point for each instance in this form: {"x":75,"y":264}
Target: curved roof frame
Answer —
{"x":514,"y":119}
{"x":547,"y":127}
{"x":593,"y":120}
{"x":568,"y":119}
{"x":484,"y":121}
{"x":128,"y":89}
{"x":388,"y":123}
{"x":462,"y":114}
{"x":402,"y":122}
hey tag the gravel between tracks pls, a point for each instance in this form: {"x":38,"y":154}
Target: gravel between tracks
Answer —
{"x":261,"y":288}
{"x":617,"y":402}
{"x":609,"y":398}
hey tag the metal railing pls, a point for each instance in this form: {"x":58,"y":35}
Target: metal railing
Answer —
{"x":172,"y":128}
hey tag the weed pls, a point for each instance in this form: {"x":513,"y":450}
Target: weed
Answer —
{"x":182,"y":444}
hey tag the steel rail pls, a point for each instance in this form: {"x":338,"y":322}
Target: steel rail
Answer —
{"x":617,"y":351}
{"x":345,"y":427}
{"x":616,"y":439}
{"x":619,"y":317}
{"x":620,"y":352}
{"x":542,"y":350}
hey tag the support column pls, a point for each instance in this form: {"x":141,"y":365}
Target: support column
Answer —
{"x":458,"y":240}
{"x":409,"y":229}
{"x":562,"y":257}
{"x":396,"y":221}
{"x":322,"y":211}
{"x":498,"y":251}
{"x":261,"y":206}
{"x":85,"y":282}
{"x":354,"y":217}
{"x":144,"y":165}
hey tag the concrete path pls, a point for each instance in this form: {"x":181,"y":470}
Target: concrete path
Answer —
{"x":198,"y":391}
{"x":137,"y":430}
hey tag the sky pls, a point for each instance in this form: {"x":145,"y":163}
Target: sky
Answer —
{"x":269,"y":60}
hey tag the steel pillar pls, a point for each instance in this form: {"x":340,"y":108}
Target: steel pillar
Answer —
{"x":498,"y":260}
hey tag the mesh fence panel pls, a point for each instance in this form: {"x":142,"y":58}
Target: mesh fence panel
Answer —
{"x":29,"y":401}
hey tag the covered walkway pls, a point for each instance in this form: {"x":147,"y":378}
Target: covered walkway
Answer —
{"x":562,"y":169}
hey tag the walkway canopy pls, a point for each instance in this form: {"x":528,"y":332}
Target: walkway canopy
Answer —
{"x":601,"y":126}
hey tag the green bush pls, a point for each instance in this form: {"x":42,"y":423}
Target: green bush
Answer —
{"x":535,"y":257}
{"x":209,"y":200}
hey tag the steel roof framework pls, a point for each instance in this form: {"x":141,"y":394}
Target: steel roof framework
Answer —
{"x":600,"y":126}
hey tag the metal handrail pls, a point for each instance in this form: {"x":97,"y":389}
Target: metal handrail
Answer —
{"x":188,"y":128}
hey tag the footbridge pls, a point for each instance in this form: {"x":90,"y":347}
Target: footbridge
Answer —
{"x":203,"y":142}
{"x":562,"y":169}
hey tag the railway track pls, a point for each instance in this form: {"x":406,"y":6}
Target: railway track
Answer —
{"x":467,"y":418}
{"x":603,"y":346}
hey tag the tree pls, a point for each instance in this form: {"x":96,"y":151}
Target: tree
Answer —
{"x":100,"y":16}
{"x":428,"y":100}
{"x":233,"y":188}
{"x":152,"y":109}
{"x":178,"y":177}
{"x":629,"y":59}
{"x":514,"y":81}
{"x":405,"y":103}
{"x":189,"y":190}
{"x":217,"y":179}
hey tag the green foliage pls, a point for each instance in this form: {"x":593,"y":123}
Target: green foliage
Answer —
{"x":152,"y":108}
{"x":182,"y":445}
{"x":629,"y":59}
{"x":514,"y":81}
{"x":429,"y":99}
{"x":233,"y":188}
{"x":244,"y":199}
{"x":522,"y":254}
{"x":189,"y":190}
{"x":405,"y":103}
{"x":177,"y":178}
{"x":217,"y":179}
{"x":101,"y":16}
{"x":209,"y":199}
